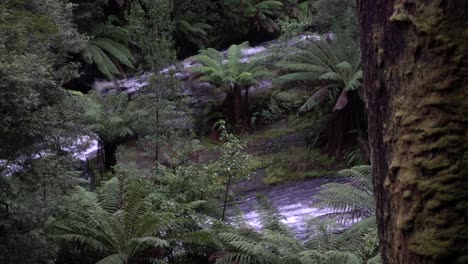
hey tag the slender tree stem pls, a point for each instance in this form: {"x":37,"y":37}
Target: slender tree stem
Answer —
{"x":225,"y":197}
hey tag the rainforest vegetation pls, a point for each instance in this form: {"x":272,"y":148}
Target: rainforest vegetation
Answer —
{"x":233,"y":131}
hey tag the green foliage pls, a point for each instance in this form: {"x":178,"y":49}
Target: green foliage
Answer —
{"x":354,"y":157}
{"x":233,"y":72}
{"x":233,"y":160}
{"x":168,"y":130}
{"x":122,"y":222}
{"x":280,"y":105}
{"x":108,"y":42}
{"x":36,"y":123}
{"x":151,"y":28}
{"x":351,"y":202}
{"x":27,"y":199}
{"x":331,"y":15}
{"x":196,"y":33}
{"x":207,"y":181}
{"x":275,"y":244}
{"x":112,"y":117}
{"x":107,"y":54}
{"x":294,"y":163}
{"x":337,"y":63}
{"x":196,"y":22}
{"x":232,"y":76}
{"x":292,"y":28}
{"x":35,"y":62}
{"x":253,"y":15}
{"x":354,"y":199}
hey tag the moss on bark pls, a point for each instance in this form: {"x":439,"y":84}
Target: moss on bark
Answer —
{"x":416,"y":83}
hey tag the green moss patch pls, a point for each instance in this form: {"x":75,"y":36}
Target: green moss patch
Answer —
{"x":293,"y":164}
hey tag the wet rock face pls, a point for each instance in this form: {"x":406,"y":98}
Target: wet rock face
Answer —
{"x":202,"y":92}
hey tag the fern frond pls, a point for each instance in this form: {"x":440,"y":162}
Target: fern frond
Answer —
{"x":336,"y":61}
{"x":109,"y":31}
{"x":234,"y":56}
{"x":114,"y":259}
{"x":315,"y":99}
{"x":115,"y":49}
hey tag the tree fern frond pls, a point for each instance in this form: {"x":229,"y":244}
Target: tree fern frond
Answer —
{"x":332,"y":256}
{"x":354,"y":199}
{"x":331,"y":76}
{"x":118,"y":234}
{"x":115,"y":49}
{"x":269,"y":5}
{"x":355,"y":81}
{"x":234,"y":56}
{"x":213,"y":54}
{"x":111,"y":195}
{"x":103,"y":62}
{"x":315,"y":99}
{"x":336,"y":61}
{"x":208,"y":62}
{"x":299,"y":76}
{"x":109,"y":31}
{"x":114,"y":259}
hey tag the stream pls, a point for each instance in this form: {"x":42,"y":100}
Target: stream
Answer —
{"x":292,"y":199}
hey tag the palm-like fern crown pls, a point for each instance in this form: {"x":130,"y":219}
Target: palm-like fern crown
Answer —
{"x":336,"y":61}
{"x":108,"y":49}
{"x":353,"y":199}
{"x":197,"y":33}
{"x":231,"y":73}
{"x":118,"y":222}
{"x":266,"y":12}
{"x":112,"y":117}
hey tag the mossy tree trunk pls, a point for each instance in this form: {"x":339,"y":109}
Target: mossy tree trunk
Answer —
{"x":416,"y":81}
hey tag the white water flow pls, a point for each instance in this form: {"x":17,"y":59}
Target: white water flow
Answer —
{"x":202,"y":92}
{"x":293,"y":201}
{"x":136,"y":83}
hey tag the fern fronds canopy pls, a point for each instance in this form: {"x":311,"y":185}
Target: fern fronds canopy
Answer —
{"x":335,"y":63}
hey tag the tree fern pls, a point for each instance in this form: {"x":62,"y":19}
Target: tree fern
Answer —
{"x":196,"y":33}
{"x":112,"y":118}
{"x":274,"y":244}
{"x":336,"y":62}
{"x":107,"y":54}
{"x":108,"y":48}
{"x":227,"y":73}
{"x":353,"y":199}
{"x":121,"y":222}
{"x":352,"y":204}
{"x":231,"y":75}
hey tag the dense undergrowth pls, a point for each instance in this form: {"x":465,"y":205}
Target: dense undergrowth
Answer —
{"x":157,"y":187}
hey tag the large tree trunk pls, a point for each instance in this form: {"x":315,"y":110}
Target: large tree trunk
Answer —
{"x":416,"y":82}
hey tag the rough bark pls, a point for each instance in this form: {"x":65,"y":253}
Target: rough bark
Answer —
{"x":416,"y":82}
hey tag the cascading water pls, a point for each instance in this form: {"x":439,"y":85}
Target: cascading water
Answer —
{"x":292,"y":199}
